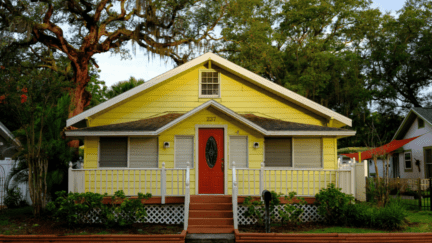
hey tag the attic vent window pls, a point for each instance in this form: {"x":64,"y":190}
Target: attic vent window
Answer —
{"x":420,"y":123}
{"x":209,"y":84}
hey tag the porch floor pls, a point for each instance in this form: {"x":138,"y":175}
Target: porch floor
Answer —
{"x":210,"y":214}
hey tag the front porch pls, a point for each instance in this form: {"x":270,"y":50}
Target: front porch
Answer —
{"x":172,"y":188}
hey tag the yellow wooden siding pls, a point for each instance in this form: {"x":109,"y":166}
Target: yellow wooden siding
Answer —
{"x":180,"y":94}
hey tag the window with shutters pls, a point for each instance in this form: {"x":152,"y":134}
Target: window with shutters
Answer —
{"x":184,"y":151}
{"x":238,"y":151}
{"x":209,"y":84}
{"x":143,"y":152}
{"x":113,"y":151}
{"x":308,"y":153}
{"x":278,"y":152}
{"x":408,"y":163}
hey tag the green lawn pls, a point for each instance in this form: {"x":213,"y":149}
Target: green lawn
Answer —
{"x":418,"y":222}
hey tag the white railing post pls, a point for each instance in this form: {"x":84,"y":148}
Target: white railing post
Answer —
{"x":187,"y":197}
{"x":261,"y":179}
{"x":163,"y":183}
{"x":353,"y":165}
{"x":71,"y":179}
{"x":234,"y":195}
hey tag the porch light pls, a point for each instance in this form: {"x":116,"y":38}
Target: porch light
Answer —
{"x":256,"y":145}
{"x":166,"y":144}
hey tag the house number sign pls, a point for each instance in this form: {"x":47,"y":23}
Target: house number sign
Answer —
{"x":211,"y":118}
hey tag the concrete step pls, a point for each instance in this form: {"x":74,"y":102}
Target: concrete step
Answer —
{"x":210,"y":229}
{"x":211,"y":199}
{"x":210,"y":214}
{"x":210,"y":238}
{"x":209,"y":206}
{"x":210,"y":221}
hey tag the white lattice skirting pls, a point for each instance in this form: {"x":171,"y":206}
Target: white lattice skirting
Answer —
{"x":156,"y":214}
{"x":310,"y":214}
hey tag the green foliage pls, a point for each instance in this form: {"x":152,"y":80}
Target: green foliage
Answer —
{"x":122,"y":86}
{"x":333,"y":204}
{"x":75,"y":208}
{"x":339,"y":209}
{"x":14,"y":198}
{"x":292,"y":212}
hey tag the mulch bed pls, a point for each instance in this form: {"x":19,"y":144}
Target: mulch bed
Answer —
{"x":286,"y":228}
{"x":25,"y":224}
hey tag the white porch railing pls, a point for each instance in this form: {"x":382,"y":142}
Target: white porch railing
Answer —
{"x":234,"y":195}
{"x":187,"y":198}
{"x":305,"y":182}
{"x":159,"y":182}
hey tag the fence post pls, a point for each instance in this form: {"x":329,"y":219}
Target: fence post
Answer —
{"x":353,"y":187}
{"x":261,"y":175}
{"x":419,"y":193}
{"x":430,"y":192}
{"x":71,"y":179}
{"x":163,"y":183}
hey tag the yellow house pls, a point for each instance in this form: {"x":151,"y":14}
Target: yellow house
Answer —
{"x":209,"y":113}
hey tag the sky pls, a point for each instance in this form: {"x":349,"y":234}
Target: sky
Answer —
{"x":114,"y":69}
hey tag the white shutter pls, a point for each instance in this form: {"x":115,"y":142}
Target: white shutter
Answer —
{"x":183,"y":151}
{"x":238,"y":151}
{"x":278,"y":152}
{"x":143,"y":153}
{"x":308,"y":153}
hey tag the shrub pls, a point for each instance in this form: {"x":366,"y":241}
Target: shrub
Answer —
{"x":14,"y":198}
{"x":292,"y":212}
{"x":334,"y":205}
{"x":392,"y":216}
{"x":256,"y":209}
{"x":77,"y":208}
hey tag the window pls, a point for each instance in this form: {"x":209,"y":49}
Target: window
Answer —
{"x":238,"y":151}
{"x":209,"y":84}
{"x":278,"y":152}
{"x":143,"y":152}
{"x":420,"y":122}
{"x":113,"y":151}
{"x":408,"y":163}
{"x":128,"y":152}
{"x":184,"y":151}
{"x":308,"y":153}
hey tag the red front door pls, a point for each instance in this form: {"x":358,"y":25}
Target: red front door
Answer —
{"x":211,"y":161}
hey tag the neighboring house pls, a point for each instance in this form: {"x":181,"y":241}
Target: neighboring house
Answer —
{"x":391,"y":149}
{"x":415,"y":160}
{"x":8,"y":143}
{"x":209,"y":112}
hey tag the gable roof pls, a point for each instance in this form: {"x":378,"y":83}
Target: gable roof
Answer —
{"x":156,"y":125}
{"x":229,"y":66}
{"x":423,"y":113}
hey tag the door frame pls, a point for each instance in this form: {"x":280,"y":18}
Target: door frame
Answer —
{"x":225,"y":129}
{"x":424,"y":160}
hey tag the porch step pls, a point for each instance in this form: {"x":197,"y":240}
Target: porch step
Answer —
{"x":211,"y":221}
{"x":210,"y":199}
{"x":209,"y":206}
{"x":210,"y":214}
{"x":209,"y":229}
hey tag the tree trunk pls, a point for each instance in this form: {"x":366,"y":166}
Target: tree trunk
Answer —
{"x":80,"y":97}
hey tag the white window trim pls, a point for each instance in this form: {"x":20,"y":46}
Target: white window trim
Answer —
{"x":128,"y":157}
{"x":247,"y":151}
{"x":405,"y":160}
{"x":193,"y":152}
{"x":200,"y":95}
